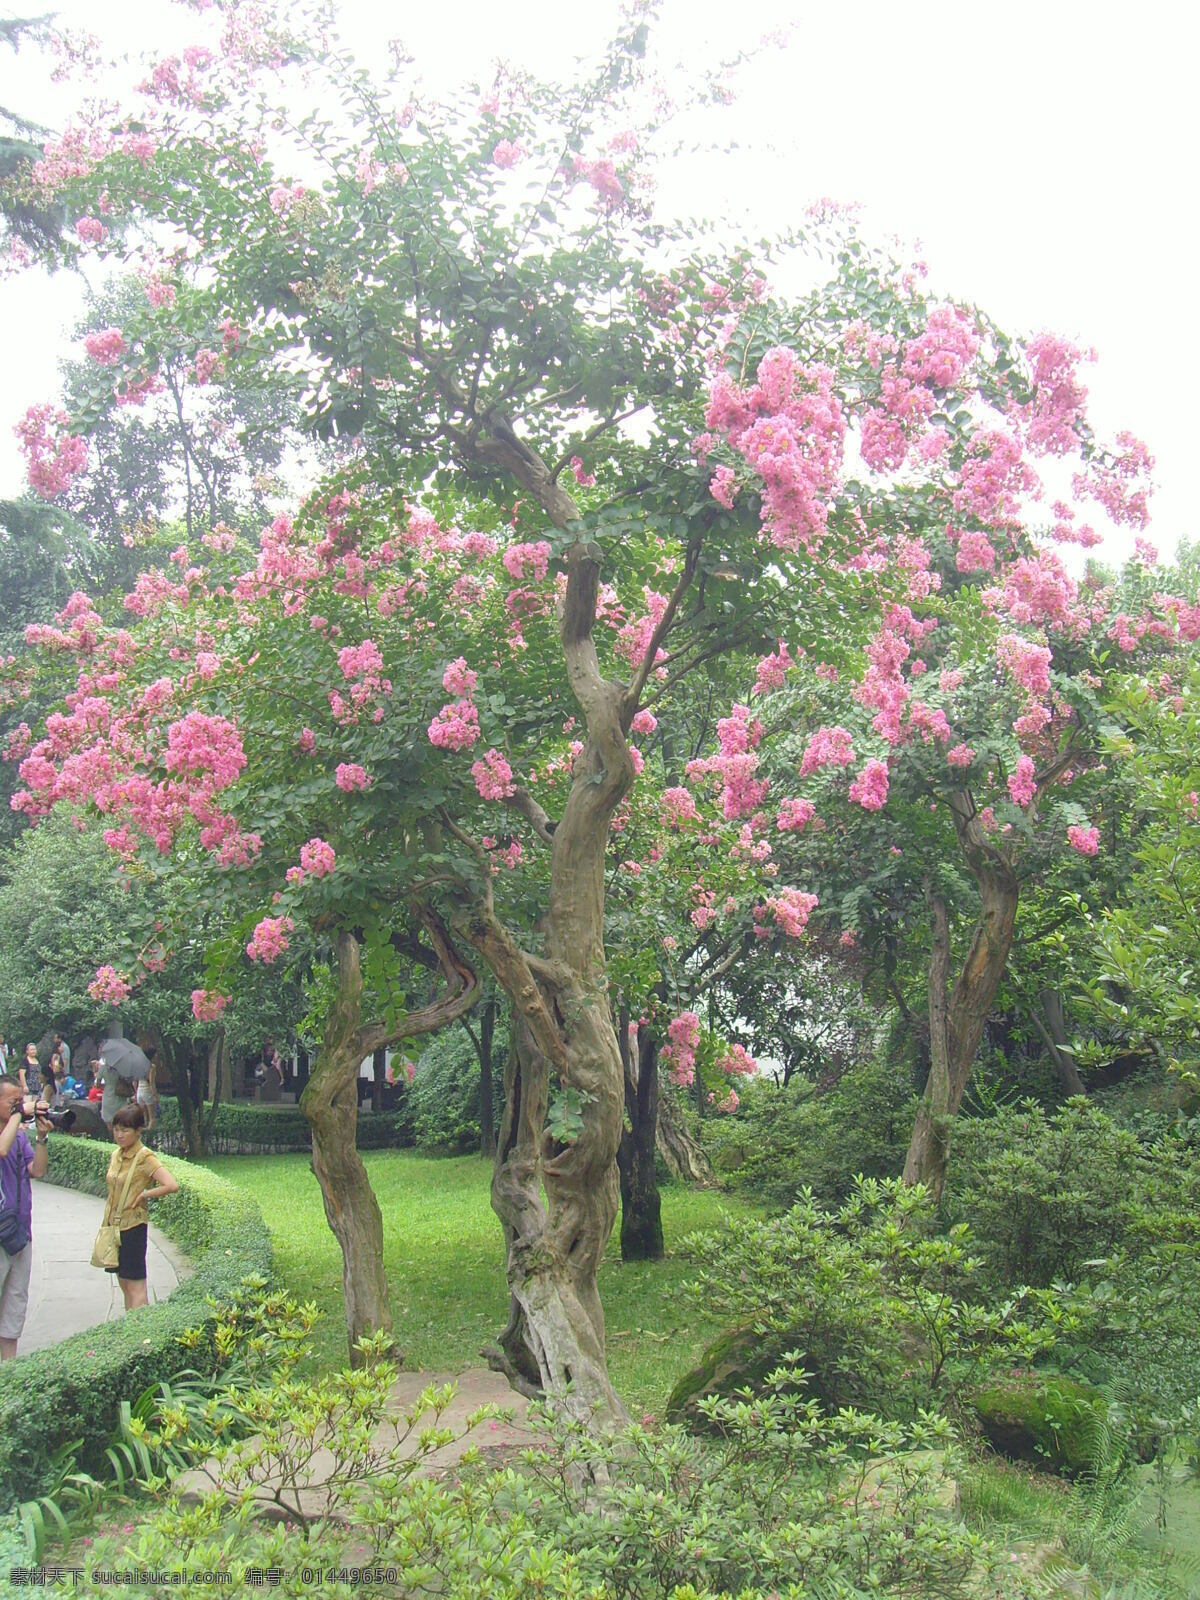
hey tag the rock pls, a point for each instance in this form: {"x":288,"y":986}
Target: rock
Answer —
{"x":1042,"y":1417}
{"x":736,"y":1360}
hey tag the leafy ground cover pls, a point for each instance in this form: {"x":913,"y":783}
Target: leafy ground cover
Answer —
{"x":442,"y":1250}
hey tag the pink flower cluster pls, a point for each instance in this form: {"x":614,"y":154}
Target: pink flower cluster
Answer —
{"x":1054,"y":416}
{"x":493,"y":777}
{"x":634,"y":638}
{"x":269,"y":939}
{"x":1022,"y":782}
{"x":790,"y":430}
{"x":527,"y":561}
{"x":459,"y":679}
{"x":772,"y":670}
{"x":54,"y":454}
{"x":736,"y":1059}
{"x":107,"y":347}
{"x":679,"y":1053}
{"x":208,"y":1004}
{"x":110,"y":985}
{"x":678,"y":805}
{"x":198,"y":743}
{"x":795,"y":815}
{"x":508,"y":154}
{"x":1026,"y":662}
{"x":456,"y":726}
{"x":1085,"y":840}
{"x":828,"y":747}
{"x":317,"y":858}
{"x":942,"y":354}
{"x":870,"y":787}
{"x":790,"y":909}
{"x":350,"y":776}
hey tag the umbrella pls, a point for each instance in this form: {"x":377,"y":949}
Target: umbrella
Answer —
{"x":125,"y":1058}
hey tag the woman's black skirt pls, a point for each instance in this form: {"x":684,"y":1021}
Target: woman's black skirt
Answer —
{"x":131,"y":1257}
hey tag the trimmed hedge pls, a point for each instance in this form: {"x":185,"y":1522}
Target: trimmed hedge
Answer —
{"x":244,"y":1128}
{"x":72,"y":1391}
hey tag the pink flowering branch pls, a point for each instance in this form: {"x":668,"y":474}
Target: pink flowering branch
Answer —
{"x":646,"y":666}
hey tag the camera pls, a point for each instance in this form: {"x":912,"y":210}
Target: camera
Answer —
{"x":60,"y":1117}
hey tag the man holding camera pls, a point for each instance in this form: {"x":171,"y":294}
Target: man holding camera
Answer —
{"x":20,"y":1160}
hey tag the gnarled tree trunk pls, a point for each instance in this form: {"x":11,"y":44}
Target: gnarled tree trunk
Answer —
{"x":957,"y":1015}
{"x":641,"y":1203}
{"x":684,"y":1157}
{"x":330,"y":1105}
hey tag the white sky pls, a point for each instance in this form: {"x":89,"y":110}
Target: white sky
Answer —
{"x":1043,"y":155}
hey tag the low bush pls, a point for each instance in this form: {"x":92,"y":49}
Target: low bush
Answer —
{"x":782,"y":1141}
{"x":71,"y":1393}
{"x":249,"y":1129}
{"x":884,"y":1312}
{"x":782,"y":1500}
{"x":1043,"y":1194}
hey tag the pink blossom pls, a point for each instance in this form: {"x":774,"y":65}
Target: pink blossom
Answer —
{"x":307,"y":742}
{"x":772,"y":670}
{"x":269,"y":939}
{"x":790,"y":909}
{"x":1022,"y":783}
{"x":583,"y":478}
{"x":317,"y":858}
{"x":507,"y":154}
{"x":527,"y":561}
{"x":678,"y":805}
{"x":350,"y":776}
{"x":90,"y":230}
{"x":870,"y":787}
{"x":208,"y":362}
{"x":198,"y":743}
{"x":736,"y":1059}
{"x":1085,"y":840}
{"x":795,"y":815}
{"x":828,"y":747}
{"x":208,"y":1004}
{"x":679,"y":1053}
{"x":54,"y":454}
{"x":456,"y":726}
{"x":644,"y":723}
{"x":459,"y":679}
{"x":723,"y":487}
{"x":110,"y":985}
{"x":975,"y":552}
{"x":961,"y":756}
{"x":493,"y":776}
{"x":107,"y":347}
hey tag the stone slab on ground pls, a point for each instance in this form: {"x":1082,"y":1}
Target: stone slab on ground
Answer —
{"x":476,"y":1387}
{"x":66,"y":1293}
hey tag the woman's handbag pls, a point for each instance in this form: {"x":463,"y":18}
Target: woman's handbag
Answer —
{"x":107,"y":1250}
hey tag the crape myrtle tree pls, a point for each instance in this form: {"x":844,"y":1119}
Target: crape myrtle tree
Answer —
{"x":473,"y":296}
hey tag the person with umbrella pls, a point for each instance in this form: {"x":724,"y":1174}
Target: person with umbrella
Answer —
{"x":123,"y":1063}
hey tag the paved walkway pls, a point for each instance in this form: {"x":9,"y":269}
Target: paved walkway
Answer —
{"x":68,"y":1294}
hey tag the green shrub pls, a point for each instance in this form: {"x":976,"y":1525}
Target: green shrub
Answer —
{"x":72,"y":1391}
{"x":250,"y":1129}
{"x":781,"y":1501}
{"x":1043,"y":1194}
{"x":783,"y":1141}
{"x":887,"y":1314}
{"x":444,"y":1095}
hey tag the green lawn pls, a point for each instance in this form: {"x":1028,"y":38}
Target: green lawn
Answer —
{"x":445,"y":1266}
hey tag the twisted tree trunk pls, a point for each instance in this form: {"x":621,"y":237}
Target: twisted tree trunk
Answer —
{"x":957,"y":1015}
{"x":330,"y":1105}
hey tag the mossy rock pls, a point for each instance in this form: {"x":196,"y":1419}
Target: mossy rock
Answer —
{"x":1042,"y":1417}
{"x":740,"y":1359}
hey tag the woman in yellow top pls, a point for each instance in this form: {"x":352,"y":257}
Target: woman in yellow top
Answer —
{"x":150,"y":1181}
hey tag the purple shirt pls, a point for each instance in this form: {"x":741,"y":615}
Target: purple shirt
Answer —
{"x":15,"y":1187}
